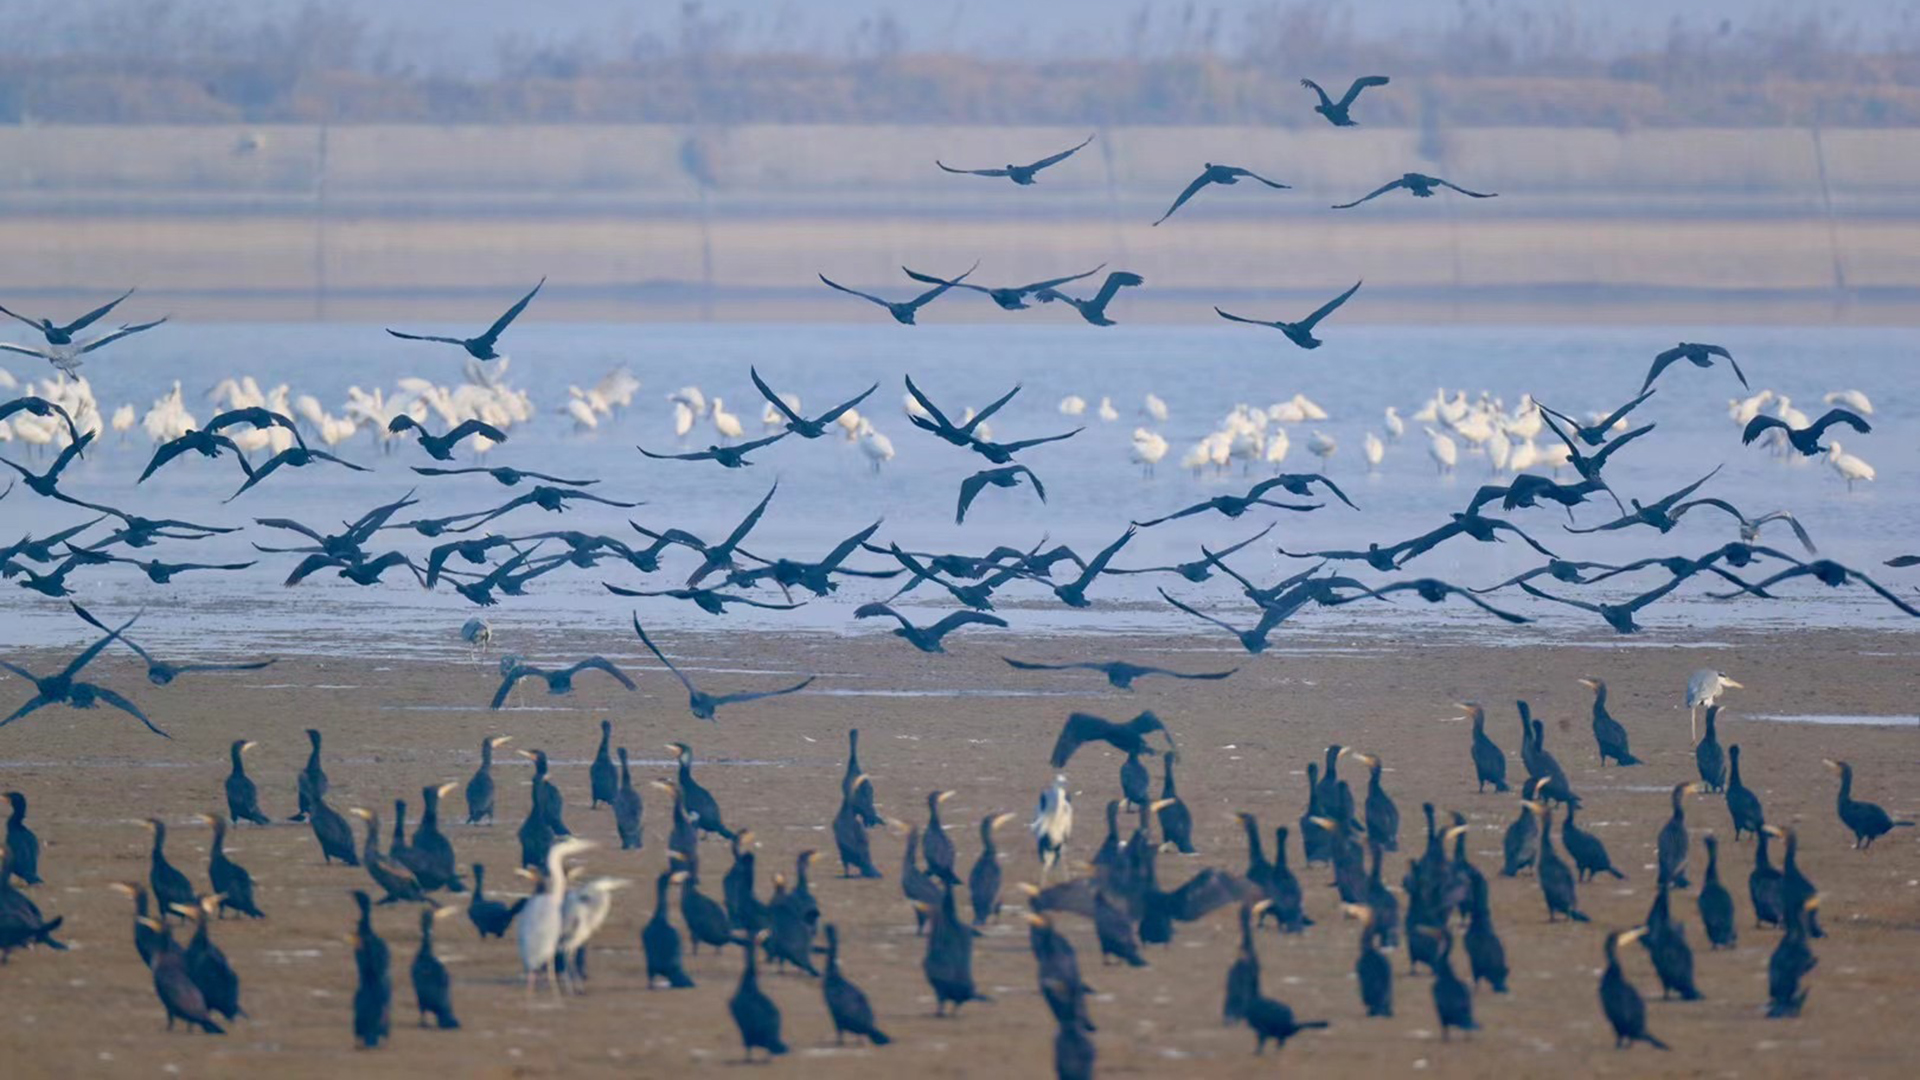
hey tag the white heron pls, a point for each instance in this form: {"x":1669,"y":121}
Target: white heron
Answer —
{"x":1322,"y":446}
{"x":583,"y":912}
{"x":1849,"y":467}
{"x":682,"y":419}
{"x":1052,"y":825}
{"x":1073,"y":405}
{"x":1499,"y":451}
{"x":1278,"y":444}
{"x":1107,"y":412}
{"x":1374,"y":450}
{"x":692,"y":398}
{"x":1155,"y":408}
{"x":1442,"y":449}
{"x":540,"y":919}
{"x":478,"y":633}
{"x":1742,"y":410}
{"x":1307,"y":408}
{"x":850,"y":422}
{"x":877,"y":447}
{"x":1704,"y":688}
{"x":123,"y":420}
{"x":1396,"y":427}
{"x":727,"y":424}
{"x":1148,"y":449}
{"x":1852,"y":399}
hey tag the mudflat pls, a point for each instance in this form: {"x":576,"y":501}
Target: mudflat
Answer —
{"x":967,"y":722}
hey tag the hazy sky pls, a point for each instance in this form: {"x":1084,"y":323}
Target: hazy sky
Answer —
{"x":465,"y":34}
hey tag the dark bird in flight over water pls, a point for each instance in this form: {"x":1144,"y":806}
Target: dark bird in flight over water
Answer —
{"x":1750,"y":527}
{"x":1595,"y":434}
{"x":48,"y":483}
{"x":729,"y":457}
{"x":1019,"y":174}
{"x":1806,"y":439}
{"x":1009,"y":299}
{"x":1658,"y":514}
{"x":1420,"y":185}
{"x":440,"y":447}
{"x":903,"y":311}
{"x":702,"y":704}
{"x":63,"y":335}
{"x":927,"y":638}
{"x":936,"y":421}
{"x":293,"y":457}
{"x":160,"y":673}
{"x":1118,"y":672}
{"x":1701,"y":356}
{"x":1224,"y":175}
{"x":559,"y":681}
{"x":41,"y":407}
{"x":67,"y":357}
{"x":482,"y":347}
{"x":1095,"y":310}
{"x":508,"y":477}
{"x":1127,"y":738}
{"x":1300,"y":333}
{"x":62,"y":688}
{"x":799,"y":425}
{"x":1336,"y":111}
{"x":1006,"y":477}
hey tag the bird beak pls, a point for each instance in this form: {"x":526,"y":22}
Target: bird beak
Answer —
{"x":528,"y":754}
{"x":1773,"y":830}
{"x":746,"y":837}
{"x":1161,"y":804}
{"x":999,"y":820}
{"x":1812,"y":902}
{"x":1027,"y":887}
{"x":360,"y":812}
{"x":944,"y":796}
{"x":1628,"y":937}
{"x":1037,"y":919}
{"x":1260,"y":907}
{"x":124,"y":888}
{"x":678,"y":875}
{"x":248,"y":745}
{"x":1537,"y":807}
{"x":1325,"y":823}
{"x":1731,"y":683}
{"x":530,"y":875}
{"x":1368,"y":760}
{"x":1450,"y":834}
{"x":501,"y":740}
{"x":1357,"y":911}
{"x":209,"y":819}
{"x":662,"y":785}
{"x":1589,"y":682}
{"x":447,"y":912}
{"x":151,"y":924}
{"x":1831,"y":764}
{"x":863,"y":778}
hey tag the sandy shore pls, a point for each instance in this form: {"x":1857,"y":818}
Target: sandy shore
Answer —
{"x":393,"y":726}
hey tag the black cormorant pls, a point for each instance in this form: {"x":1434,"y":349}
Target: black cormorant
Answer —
{"x":1716,"y":903}
{"x":1314,"y":838}
{"x":1792,"y":959}
{"x":850,"y":833}
{"x":948,"y":963}
{"x":480,"y":788}
{"x":1489,"y":761}
{"x":1589,"y":853}
{"x":935,"y":843}
{"x":1867,"y":821}
{"x":311,"y":783}
{"x":208,"y":966}
{"x":706,"y":918}
{"x":1742,"y":804}
{"x":754,"y":1013}
{"x":861,"y":796}
{"x":430,"y":854}
{"x":145,"y":938}
{"x":1337,"y":112}
{"x":1620,"y":1001}
{"x":744,"y":909}
{"x":627,"y":808}
{"x":1486,"y":954}
{"x":1452,"y":999}
{"x":1764,"y":883}
{"x":701,"y":804}
{"x":983,"y":881}
{"x":481,"y":347}
{"x":1673,"y":842}
{"x":373,"y":997}
{"x":1708,"y":756}
{"x":1372,"y":970}
{"x":1127,"y":738}
{"x":1666,"y":942}
{"x":432,"y":988}
{"x":230,"y":881}
{"x":1796,"y":889}
{"x":847,"y":1004}
{"x":243,"y":798}
{"x":23,"y":847}
{"x":1134,"y":781}
{"x":605,"y":782}
{"x":174,"y":983}
{"x":170,"y":887}
{"x":1522,"y":841}
{"x":1556,"y":881}
{"x":661,"y":942}
{"x":1383,"y":817}
{"x":397,"y":881}
{"x":490,"y":917}
{"x":1608,"y":734}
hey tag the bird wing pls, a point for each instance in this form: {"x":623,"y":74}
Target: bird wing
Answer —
{"x":427,"y":337}
{"x":1732,"y":363}
{"x":755,"y":444}
{"x":1489,"y":608}
{"x":428,"y":470}
{"x":1360,"y":84}
{"x":1690,"y":488}
{"x":929,"y":279}
{"x":730,"y":599}
{"x":1761,"y":423}
{"x":125,"y":331}
{"x":1023,"y":444}
{"x":167,"y":452}
{"x":1837,"y":416}
{"x":512,"y":313}
{"x":992,"y":407}
{"x":847,"y":547}
{"x":1059,"y":157}
{"x":1198,"y":508}
{"x":90,"y":317}
{"x":962,"y":618}
{"x":1325,"y":101}
{"x":1661,"y":363}
{"x":876,"y":608}
{"x":1884,"y":594}
{"x":68,"y":453}
{"x":973,"y":172}
{"x":542,"y":476}
{"x":1251,"y":175}
{"x":475,"y":427}
{"x":34,"y":703}
{"x":835,"y":413}
{"x":17,"y":315}
{"x":86,"y":655}
{"x":1464,"y":191}
{"x":88,"y":617}
{"x":855,"y":292}
{"x":928,"y":297}
{"x":115,"y":699}
{"x":1099,"y":562}
{"x":1038,"y":488}
{"x":1079,"y":728}
{"x":255,"y":665}
{"x":1327,"y":309}
{"x":509,"y":677}
{"x":1196,"y":614}
{"x":1224,"y":552}
{"x":1027,"y":665}
{"x":1374,"y":194}
{"x":324,"y":456}
{"x":1620,"y":413}
{"x":756,"y":695}
{"x":1199,"y":182}
{"x":1206,"y":675}
{"x":1599,"y":458}
{"x":1568,"y":601}
{"x":1799,"y":531}
{"x":1116,"y":281}
{"x":932,"y":409}
{"x":747,"y":523}
{"x":772,"y":398}
{"x":969,"y":490}
{"x":1054,"y":283}
{"x":697,"y":455}
{"x":24,"y":350}
{"x":1252,"y":322}
{"x":601,"y":663}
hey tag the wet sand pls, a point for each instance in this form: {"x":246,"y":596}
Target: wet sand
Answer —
{"x":393,"y":726}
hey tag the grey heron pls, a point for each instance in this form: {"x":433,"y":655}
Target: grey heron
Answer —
{"x":1704,"y":687}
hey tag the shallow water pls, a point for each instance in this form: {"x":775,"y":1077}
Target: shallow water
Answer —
{"x":828,"y":491}
{"x":1865,"y":721}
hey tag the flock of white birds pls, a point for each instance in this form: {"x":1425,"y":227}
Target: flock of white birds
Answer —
{"x":1508,"y":440}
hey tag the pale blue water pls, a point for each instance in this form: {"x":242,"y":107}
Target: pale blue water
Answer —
{"x":827,"y":490}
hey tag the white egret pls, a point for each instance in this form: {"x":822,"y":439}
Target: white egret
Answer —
{"x":1322,"y":446}
{"x":1155,"y":408}
{"x":1073,"y":405}
{"x":1374,"y":449}
{"x":1052,"y":825}
{"x":1107,"y":411}
{"x":1852,"y":399}
{"x":727,"y":424}
{"x":877,"y":447}
{"x":1148,"y":449}
{"x":1396,"y":427}
{"x":1849,"y":467}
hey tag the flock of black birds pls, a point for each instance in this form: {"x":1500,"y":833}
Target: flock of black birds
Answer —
{"x":1445,"y":896}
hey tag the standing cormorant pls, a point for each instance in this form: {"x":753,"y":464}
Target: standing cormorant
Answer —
{"x":935,"y":842}
{"x":397,"y":881}
{"x":862,"y":799}
{"x":333,"y":833}
{"x":243,"y":798}
{"x":311,"y":783}
{"x":1795,"y":888}
{"x":1666,"y":942}
{"x":627,"y":808}
{"x":170,"y":887}
{"x":1134,"y":781}
{"x":948,"y":963}
{"x":706,"y":918}
{"x":1372,"y":970}
{"x":1742,"y":804}
{"x":1314,"y":838}
{"x":736,"y":887}
{"x":480,"y":788}
{"x":601,"y":776}
{"x":1764,"y":883}
{"x":1589,"y":853}
{"x":1790,"y":963}
{"x":789,"y":936}
{"x":430,"y":854}
{"x":660,"y":941}
{"x":1708,"y":757}
{"x":1452,"y":999}
{"x":1716,"y":903}
{"x":174,"y":984}
{"x":1243,"y":975}
{"x":847,"y":1004}
{"x":373,"y":997}
{"x":1672,"y":844}
{"x":1867,"y":821}
{"x":208,"y":967}
{"x":490,"y":917}
{"x":1522,"y":841}
{"x":1556,"y":881}
{"x":146,"y":939}
{"x":1486,"y":953}
{"x":1608,"y":734}
{"x":850,"y":833}
{"x":1176,"y":821}
{"x":548,"y":802}
{"x":1489,"y":761}
{"x":1383,"y":817}
{"x":700,"y":802}
{"x":754,"y":1013}
{"x":432,"y":988}
{"x":1620,"y":1001}
{"x":23,"y":847}
{"x":230,"y":881}
{"x":983,"y":881}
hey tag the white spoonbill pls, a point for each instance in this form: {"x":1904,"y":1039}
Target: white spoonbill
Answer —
{"x":1322,"y":446}
{"x":1148,"y":449}
{"x":1849,"y":467}
{"x":1374,"y":450}
{"x":682,"y":419}
{"x":1073,"y":405}
{"x":727,"y":424}
{"x":877,"y":447}
{"x":1277,"y":446}
{"x":1155,"y":408}
{"x":1396,"y":427}
{"x":1442,"y":449}
{"x":1852,"y":399}
{"x":1107,"y":411}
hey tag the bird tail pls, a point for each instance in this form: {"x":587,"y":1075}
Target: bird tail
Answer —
{"x":1309,"y":1025}
{"x":212,"y":1028}
{"x":680,"y":980}
{"x":878,"y":1037}
{"x":1578,"y":916}
{"x":1628,"y":759}
{"x":446,"y":1020}
{"x":1788,"y":1007}
{"x":1903,"y":824}
{"x":1615,"y":873}
{"x":44,"y":935}
{"x":1501,"y":785}
{"x":725,"y":833}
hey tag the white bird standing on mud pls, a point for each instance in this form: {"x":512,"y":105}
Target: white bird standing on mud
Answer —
{"x":1442,"y":450}
{"x":727,"y":424}
{"x":540,"y":920}
{"x":1148,"y":449}
{"x":1053,"y":825}
{"x":1374,"y":450}
{"x":1849,"y":467}
{"x":582,"y":913}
